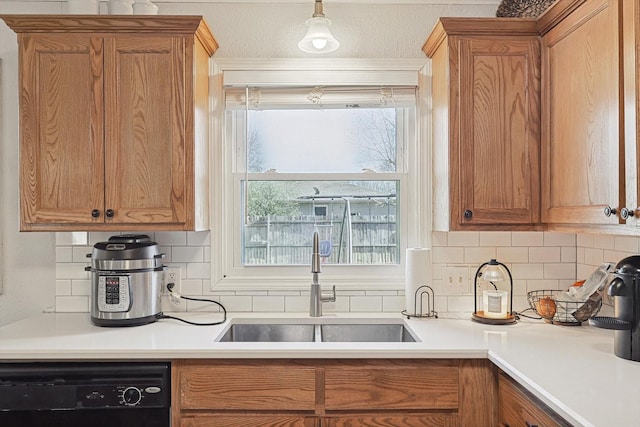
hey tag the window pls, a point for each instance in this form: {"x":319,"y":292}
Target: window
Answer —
{"x":338,"y":160}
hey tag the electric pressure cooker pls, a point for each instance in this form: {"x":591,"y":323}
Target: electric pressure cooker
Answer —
{"x":126,"y":281}
{"x":624,"y":287}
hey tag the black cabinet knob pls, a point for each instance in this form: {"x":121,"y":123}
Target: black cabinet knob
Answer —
{"x":626,"y":213}
{"x":608,"y":211}
{"x":109,"y":213}
{"x":95,"y":213}
{"x":468,"y":214}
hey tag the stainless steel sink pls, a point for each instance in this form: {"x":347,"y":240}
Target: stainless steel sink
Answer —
{"x":262,"y":332}
{"x":318,"y":332}
{"x":394,"y":332}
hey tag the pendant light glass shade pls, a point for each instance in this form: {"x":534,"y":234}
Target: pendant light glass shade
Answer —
{"x":318,"y":38}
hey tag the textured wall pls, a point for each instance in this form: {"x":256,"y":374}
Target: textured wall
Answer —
{"x":365,"y":31}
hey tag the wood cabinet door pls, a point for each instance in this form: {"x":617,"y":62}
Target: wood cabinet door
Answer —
{"x":495,"y":147}
{"x":146,"y":151}
{"x":583,"y":164}
{"x":61,"y":151}
{"x":517,"y":408}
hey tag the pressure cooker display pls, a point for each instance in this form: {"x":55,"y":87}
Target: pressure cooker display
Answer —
{"x":114,"y":293}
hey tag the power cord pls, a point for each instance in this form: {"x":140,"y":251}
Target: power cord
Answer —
{"x":176,"y":297}
{"x":521,"y":313}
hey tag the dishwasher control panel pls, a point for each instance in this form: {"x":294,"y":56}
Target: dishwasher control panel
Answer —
{"x":131,"y":395}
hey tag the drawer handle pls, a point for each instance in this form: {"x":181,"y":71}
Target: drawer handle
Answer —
{"x":95,"y":213}
{"x":109,"y":213}
{"x":608,"y":211}
{"x":468,"y":214}
{"x":530,"y":425}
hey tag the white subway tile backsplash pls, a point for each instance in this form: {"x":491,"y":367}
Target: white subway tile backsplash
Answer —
{"x":568,"y":254}
{"x":460,"y":304}
{"x":626,"y":244}
{"x":81,"y":287}
{"x":439,"y":238}
{"x":559,"y":271}
{"x":64,"y":254}
{"x":71,"y":270}
{"x":559,"y":239}
{"x":479,"y":255}
{"x":191,"y":287}
{"x":199,"y":238}
{"x":593,"y":256}
{"x":268,"y":303}
{"x":72,"y":238}
{"x":392,"y":304}
{"x":585,"y":240}
{"x":79,"y":254}
{"x":63,"y":287}
{"x":495,"y":238}
{"x":539,"y":285}
{"x":370,"y":304}
{"x":603,"y":241}
{"x":187,"y":254}
{"x":464,"y":238}
{"x":527,"y":238}
{"x":527,"y":271}
{"x":198,"y":270}
{"x":544,"y":254}
{"x":236,"y":303}
{"x":294,"y":304}
{"x":537,"y":260}
{"x":447,"y":255}
{"x":512,"y":254}
{"x":171,"y":238}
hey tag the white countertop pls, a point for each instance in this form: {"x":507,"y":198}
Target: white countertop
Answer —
{"x":571,"y":369}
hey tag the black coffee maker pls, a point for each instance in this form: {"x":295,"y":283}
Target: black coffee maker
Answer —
{"x":624,"y":287}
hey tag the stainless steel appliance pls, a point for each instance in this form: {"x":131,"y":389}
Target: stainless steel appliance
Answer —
{"x":624,"y":287}
{"x":85,"y":394}
{"x":126,"y":281}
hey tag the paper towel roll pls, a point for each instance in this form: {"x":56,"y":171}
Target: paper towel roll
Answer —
{"x":417,"y":273}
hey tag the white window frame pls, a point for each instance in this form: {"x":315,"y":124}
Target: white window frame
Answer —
{"x":225,"y":195}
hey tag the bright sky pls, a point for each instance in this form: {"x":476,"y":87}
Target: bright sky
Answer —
{"x":308,"y":140}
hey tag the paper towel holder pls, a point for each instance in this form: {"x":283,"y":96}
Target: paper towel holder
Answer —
{"x":420,"y":294}
{"x":493,"y":271}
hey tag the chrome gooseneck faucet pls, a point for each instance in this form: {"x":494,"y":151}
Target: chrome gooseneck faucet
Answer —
{"x":317,"y":296}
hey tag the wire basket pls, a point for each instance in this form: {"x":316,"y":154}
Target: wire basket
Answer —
{"x":553,"y":309}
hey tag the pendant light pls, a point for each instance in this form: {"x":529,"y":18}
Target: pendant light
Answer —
{"x":318,"y":38}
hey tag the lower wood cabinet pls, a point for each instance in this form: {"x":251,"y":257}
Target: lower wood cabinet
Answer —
{"x":518,"y":408}
{"x":334,"y":393}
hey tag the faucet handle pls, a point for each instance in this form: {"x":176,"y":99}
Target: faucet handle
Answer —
{"x":328,"y":296}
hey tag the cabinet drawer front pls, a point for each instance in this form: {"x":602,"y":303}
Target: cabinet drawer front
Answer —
{"x":393,"y":421}
{"x":391,"y":385}
{"x":248,"y":421}
{"x":518,"y":409}
{"x":248,"y":385}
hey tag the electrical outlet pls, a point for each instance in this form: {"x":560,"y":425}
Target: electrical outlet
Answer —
{"x":172,"y":275}
{"x":455,"y":280}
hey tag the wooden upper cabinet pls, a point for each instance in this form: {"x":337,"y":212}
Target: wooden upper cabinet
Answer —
{"x":583,"y":153}
{"x":61,"y":127}
{"x":114,"y":123}
{"x":486,"y":123}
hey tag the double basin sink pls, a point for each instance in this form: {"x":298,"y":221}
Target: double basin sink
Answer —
{"x":322,"y":331}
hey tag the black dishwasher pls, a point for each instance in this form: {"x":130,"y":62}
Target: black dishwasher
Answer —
{"x":96,"y":394}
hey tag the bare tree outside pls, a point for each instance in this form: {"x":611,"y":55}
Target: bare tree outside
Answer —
{"x":376,"y":138}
